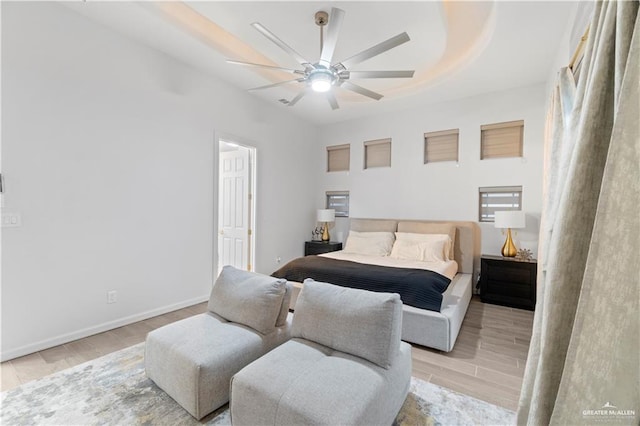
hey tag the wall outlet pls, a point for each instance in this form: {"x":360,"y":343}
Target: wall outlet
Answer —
{"x":11,"y":220}
{"x":112,"y":296}
{"x":278,"y":259}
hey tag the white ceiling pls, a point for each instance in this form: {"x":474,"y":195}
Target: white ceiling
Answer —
{"x":458,"y":49}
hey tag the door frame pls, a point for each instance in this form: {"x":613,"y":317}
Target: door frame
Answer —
{"x":253,"y":151}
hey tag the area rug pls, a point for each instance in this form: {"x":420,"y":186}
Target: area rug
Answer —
{"x":113,"y":390}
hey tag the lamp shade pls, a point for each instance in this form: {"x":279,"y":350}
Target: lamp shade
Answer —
{"x":326,"y":215}
{"x":509,"y":219}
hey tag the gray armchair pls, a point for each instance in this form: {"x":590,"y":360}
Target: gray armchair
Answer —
{"x":345,"y":364}
{"x":194,"y":359}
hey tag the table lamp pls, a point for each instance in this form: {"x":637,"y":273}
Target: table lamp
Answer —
{"x":326,"y":216}
{"x":513,"y":219}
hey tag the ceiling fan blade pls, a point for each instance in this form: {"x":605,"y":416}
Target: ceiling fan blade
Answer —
{"x":332,"y":100}
{"x":277,"y":84}
{"x":284,"y":46}
{"x":376,"y":50}
{"x":376,"y":74}
{"x":330,"y":41}
{"x":299,"y":96}
{"x":361,"y":90}
{"x":249,"y":64}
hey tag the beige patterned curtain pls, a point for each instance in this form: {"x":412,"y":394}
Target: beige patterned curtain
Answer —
{"x":584,"y":364}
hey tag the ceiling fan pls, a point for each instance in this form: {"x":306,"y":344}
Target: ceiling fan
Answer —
{"x":321,"y":76}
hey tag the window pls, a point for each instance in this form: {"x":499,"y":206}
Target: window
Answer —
{"x":441,"y":146}
{"x":501,"y":140}
{"x":338,"y":157}
{"x":339,"y":201}
{"x":498,"y":198}
{"x":377,"y":153}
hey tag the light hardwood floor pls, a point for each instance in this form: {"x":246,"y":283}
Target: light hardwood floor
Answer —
{"x":487,"y":361}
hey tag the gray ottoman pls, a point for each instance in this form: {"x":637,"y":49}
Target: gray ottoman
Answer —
{"x":344,"y":365}
{"x":194,"y":359}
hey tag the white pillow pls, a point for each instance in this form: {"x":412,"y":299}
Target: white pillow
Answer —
{"x":447,"y":228}
{"x":370,"y":243}
{"x":421,"y":247}
{"x":431,"y":238}
{"x":405,"y":249}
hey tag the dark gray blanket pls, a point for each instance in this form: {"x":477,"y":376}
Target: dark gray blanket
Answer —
{"x":416,"y":287}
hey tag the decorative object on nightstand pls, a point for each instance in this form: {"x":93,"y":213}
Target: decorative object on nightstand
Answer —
{"x":325,"y":216}
{"x":524,"y":255}
{"x":508,"y":281}
{"x":510,"y":220}
{"x":320,"y":247}
{"x":316,"y":235}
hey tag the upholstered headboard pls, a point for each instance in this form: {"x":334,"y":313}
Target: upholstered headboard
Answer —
{"x":373,"y":225}
{"x":466,"y":249}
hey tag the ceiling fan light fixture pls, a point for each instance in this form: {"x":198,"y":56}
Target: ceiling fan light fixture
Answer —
{"x":321,"y":80}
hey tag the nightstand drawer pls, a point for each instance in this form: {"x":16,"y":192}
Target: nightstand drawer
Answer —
{"x":508,"y":289}
{"x":319,"y":247}
{"x":506,"y":281}
{"x":507,"y":274}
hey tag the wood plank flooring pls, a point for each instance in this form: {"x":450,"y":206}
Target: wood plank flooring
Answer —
{"x":488,"y":359}
{"x":487,"y":362}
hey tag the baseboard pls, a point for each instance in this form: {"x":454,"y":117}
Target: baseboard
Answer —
{"x":100,"y":328}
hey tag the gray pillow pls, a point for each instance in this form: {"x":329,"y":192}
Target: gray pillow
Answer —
{"x":247,"y":298}
{"x":359,"y":322}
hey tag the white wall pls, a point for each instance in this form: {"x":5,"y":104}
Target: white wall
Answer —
{"x":108,"y":153}
{"x":441,"y":191}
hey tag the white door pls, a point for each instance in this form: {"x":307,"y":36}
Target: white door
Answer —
{"x":234,"y":205}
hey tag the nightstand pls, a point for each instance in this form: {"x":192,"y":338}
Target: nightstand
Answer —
{"x":319,"y":247}
{"x":509,"y":282}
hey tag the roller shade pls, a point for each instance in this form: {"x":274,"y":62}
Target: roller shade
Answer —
{"x":441,"y":146}
{"x":377,"y":153}
{"x":498,"y":198}
{"x":338,"y":201}
{"x":338,"y":158}
{"x":502,"y":140}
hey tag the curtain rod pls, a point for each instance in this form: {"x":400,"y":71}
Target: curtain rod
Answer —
{"x":579,"y":49}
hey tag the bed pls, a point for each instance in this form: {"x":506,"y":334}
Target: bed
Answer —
{"x":422,"y":325}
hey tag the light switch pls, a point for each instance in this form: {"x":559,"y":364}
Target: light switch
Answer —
{"x":11,"y":220}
